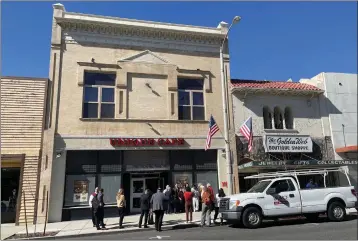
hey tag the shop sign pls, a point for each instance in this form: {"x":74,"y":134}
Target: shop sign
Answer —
{"x":299,"y":163}
{"x":273,"y":143}
{"x":146,"y":142}
{"x":80,"y":191}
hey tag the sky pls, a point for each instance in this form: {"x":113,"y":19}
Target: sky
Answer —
{"x":273,"y":41}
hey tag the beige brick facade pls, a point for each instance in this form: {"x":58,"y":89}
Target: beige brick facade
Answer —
{"x":22,"y":123}
{"x":147,"y":58}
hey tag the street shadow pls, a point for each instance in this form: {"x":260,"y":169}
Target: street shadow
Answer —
{"x":293,"y":222}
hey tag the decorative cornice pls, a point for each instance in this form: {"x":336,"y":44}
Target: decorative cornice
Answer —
{"x":91,"y":32}
{"x":110,"y":29}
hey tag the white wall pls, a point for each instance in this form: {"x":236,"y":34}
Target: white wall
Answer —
{"x":305,"y":112}
{"x":341,"y":106}
{"x":341,"y":90}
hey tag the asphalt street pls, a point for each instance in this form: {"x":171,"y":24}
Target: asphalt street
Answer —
{"x":282,"y":230}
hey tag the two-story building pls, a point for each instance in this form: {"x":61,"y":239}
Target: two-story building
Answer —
{"x":129,"y":108}
{"x":22,"y":122}
{"x":340,"y":90}
{"x":288,"y":128}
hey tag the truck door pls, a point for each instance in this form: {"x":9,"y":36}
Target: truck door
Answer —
{"x":282,"y":198}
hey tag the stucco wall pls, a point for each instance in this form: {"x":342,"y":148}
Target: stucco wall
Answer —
{"x":305,"y":112}
{"x":341,"y":90}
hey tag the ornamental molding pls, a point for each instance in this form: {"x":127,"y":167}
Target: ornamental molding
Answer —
{"x":109,"y":34}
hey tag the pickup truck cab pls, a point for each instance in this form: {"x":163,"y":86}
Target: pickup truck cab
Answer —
{"x":280,"y":195}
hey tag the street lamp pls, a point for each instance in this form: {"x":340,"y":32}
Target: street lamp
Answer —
{"x":225,"y":108}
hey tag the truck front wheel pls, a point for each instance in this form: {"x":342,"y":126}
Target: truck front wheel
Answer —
{"x":252,"y":217}
{"x":336,"y":212}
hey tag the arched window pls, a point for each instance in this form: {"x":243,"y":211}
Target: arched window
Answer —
{"x":267,"y":118}
{"x":278,"y":118}
{"x":288,"y":118}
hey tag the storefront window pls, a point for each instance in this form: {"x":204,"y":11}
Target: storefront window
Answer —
{"x":87,"y":169}
{"x":182,"y":160}
{"x":206,"y":160}
{"x":183,"y":178}
{"x":79,"y":188}
{"x":208,"y":177}
{"x":111,"y":184}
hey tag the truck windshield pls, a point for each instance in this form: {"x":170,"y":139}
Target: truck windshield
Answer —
{"x":259,"y":187}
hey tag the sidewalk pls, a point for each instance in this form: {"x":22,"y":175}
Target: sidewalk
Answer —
{"x":85,"y":227}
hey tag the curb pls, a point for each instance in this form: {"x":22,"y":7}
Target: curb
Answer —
{"x":116,"y":231}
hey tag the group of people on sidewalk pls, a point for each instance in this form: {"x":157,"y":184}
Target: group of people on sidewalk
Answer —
{"x":177,"y":200}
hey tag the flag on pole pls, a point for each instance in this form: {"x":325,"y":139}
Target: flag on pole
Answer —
{"x":213,"y":128}
{"x":246,"y":131}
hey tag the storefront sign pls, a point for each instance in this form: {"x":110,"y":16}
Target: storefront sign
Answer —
{"x":146,"y":142}
{"x":258,"y":164}
{"x":274,"y":143}
{"x":80,"y":191}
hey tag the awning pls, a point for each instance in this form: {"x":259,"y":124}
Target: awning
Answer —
{"x":347,"y":149}
{"x":295,"y":164}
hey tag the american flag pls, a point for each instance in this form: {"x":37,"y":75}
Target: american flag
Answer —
{"x":213,"y":128}
{"x":246,"y":131}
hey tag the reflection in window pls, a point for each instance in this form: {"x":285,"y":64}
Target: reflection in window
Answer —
{"x":98,"y":92}
{"x":267,"y":118}
{"x":278,"y":118}
{"x":191,"y":99}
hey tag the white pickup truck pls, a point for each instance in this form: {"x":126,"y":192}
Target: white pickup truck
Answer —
{"x":279,"y":195}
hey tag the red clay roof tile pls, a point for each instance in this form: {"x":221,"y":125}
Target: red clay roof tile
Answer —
{"x":254,"y":84}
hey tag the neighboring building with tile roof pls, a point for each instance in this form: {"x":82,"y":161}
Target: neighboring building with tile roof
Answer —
{"x":287,"y":126}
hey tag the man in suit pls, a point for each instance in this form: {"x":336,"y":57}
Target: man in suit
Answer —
{"x":93,"y":210}
{"x":101,"y":208}
{"x":158,"y":204}
{"x":144,"y":206}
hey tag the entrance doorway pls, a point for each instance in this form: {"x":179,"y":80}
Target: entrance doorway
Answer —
{"x":10,"y":182}
{"x":139,"y":183}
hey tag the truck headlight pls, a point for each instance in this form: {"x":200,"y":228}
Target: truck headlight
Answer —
{"x":234,"y":204}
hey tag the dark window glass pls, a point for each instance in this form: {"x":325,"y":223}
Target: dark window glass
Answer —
{"x":108,"y":95}
{"x":184,"y":113}
{"x":90,"y":110}
{"x":184,"y":98}
{"x":107,"y":111}
{"x":81,"y":162}
{"x":190,"y":84}
{"x":99,"y":79}
{"x":198,"y":113}
{"x":198,"y":98}
{"x":283,"y":186}
{"x":91,"y":94}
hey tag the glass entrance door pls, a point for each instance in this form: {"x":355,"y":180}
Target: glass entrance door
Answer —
{"x":10,"y":179}
{"x":137,"y":189}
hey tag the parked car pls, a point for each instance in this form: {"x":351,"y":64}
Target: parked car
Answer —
{"x":280,"y":195}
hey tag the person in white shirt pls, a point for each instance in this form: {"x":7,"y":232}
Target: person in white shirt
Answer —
{"x":219,"y":196}
{"x":94,"y":194}
{"x":196,"y":196}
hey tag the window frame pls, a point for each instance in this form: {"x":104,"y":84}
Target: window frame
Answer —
{"x":99,"y":101}
{"x":191,"y":103}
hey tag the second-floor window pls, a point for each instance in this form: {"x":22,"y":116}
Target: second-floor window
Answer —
{"x":279,"y":119}
{"x":98,"y":95}
{"x":191,"y":99}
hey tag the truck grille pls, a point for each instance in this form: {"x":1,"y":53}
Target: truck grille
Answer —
{"x":224,"y":204}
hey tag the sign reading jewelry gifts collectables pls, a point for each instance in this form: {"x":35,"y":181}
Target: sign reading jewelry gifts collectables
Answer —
{"x":273,"y":143}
